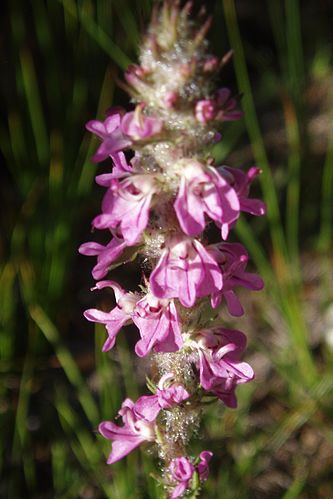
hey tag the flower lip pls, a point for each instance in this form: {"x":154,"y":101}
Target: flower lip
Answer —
{"x":204,"y":192}
{"x":185,"y":271}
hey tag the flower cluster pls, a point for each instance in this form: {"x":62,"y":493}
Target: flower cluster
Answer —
{"x":158,"y":203}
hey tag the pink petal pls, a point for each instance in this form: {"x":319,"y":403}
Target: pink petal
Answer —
{"x":147,"y":407}
{"x":189,"y":210}
{"x":123,"y":442}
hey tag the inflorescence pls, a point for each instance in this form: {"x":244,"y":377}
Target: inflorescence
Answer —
{"x":158,"y":205}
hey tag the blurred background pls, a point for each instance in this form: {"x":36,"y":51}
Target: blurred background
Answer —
{"x":60,"y":60}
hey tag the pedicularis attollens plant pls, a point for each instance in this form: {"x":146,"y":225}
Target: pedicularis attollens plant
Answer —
{"x":157,"y":206}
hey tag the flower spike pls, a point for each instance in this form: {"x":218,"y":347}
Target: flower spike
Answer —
{"x":160,"y":206}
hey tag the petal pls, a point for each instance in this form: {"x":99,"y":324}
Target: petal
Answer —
{"x":94,"y":315}
{"x":117,"y":289}
{"x":105,"y":179}
{"x":106,"y":257}
{"x":160,"y":331}
{"x":147,"y":407}
{"x":120,"y":163}
{"x":96,"y":127}
{"x":205,"y":456}
{"x":234,"y":306}
{"x":188,"y":278}
{"x":160,"y":284}
{"x":227,"y":397}
{"x":151,"y":330}
{"x":173,"y":341}
{"x":215,"y":299}
{"x":242,"y":370}
{"x":232,"y":336}
{"x":113,"y":322}
{"x":120,"y":448}
{"x":111,"y":144}
{"x":206,"y":375}
{"x":171,"y":396}
{"x":105,"y":221}
{"x":138,"y":131}
{"x":189,"y":210}
{"x":253,"y":206}
{"x":91,"y":249}
{"x":135,"y":220}
{"x":212,"y":280}
{"x":247,"y":280}
{"x":112,"y":122}
{"x":227,"y":199}
{"x":179,"y":490}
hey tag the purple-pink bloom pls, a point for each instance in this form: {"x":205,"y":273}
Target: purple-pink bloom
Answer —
{"x":227,"y":106}
{"x":172,"y":395}
{"x":106,"y":255}
{"x":113,"y":139}
{"x":137,"y":126}
{"x":117,"y":317}
{"x":203,"y":467}
{"x":136,"y":430}
{"x":221,"y":107}
{"x":170,"y":99}
{"x":126,"y":206}
{"x":181,"y":470}
{"x":185,"y":270}
{"x":166,"y":396}
{"x":220,"y":368}
{"x":158,"y":324}
{"x":120,"y":170}
{"x":241,"y":182}
{"x":211,"y":64}
{"x":204,"y":190}
{"x":233,"y":259}
{"x":205,"y":110}
{"x":118,"y":132}
{"x":135,"y":76}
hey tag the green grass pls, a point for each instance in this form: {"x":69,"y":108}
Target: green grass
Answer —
{"x":56,"y":385}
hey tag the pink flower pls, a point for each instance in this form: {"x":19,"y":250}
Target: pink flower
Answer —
{"x":220,"y":368}
{"x":116,"y":318}
{"x":181,"y":470}
{"x":203,"y":468}
{"x":158,"y":324}
{"x":241,"y":182}
{"x":166,"y":397}
{"x":113,"y":139}
{"x":157,"y":320}
{"x":135,"y":76}
{"x":170,"y":99}
{"x":138,"y":126}
{"x":204,"y":191}
{"x":120,"y":170}
{"x":222,"y":107}
{"x":205,"y":110}
{"x":106,"y":255}
{"x":118,"y":132}
{"x":233,"y":259}
{"x":211,"y":64}
{"x":126,"y":206}
{"x":227,"y":106}
{"x":171,"y":395}
{"x":136,"y":430}
{"x":186,"y":271}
